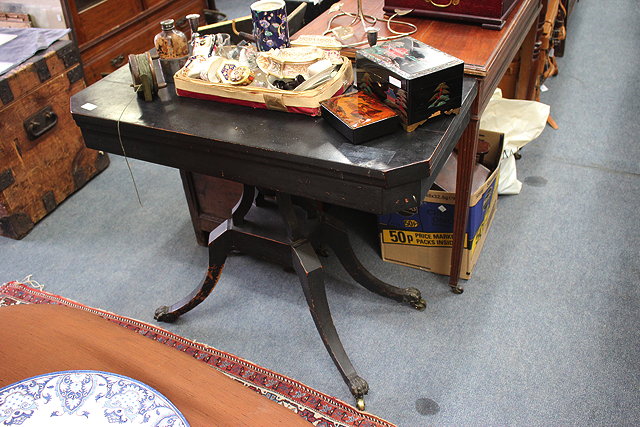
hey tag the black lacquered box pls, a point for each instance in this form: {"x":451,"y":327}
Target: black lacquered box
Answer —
{"x":418,"y":81}
{"x":359,"y":117}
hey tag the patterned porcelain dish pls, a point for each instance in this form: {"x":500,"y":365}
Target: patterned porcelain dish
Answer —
{"x":323,"y":42}
{"x":289,"y":62}
{"x":85,"y":398}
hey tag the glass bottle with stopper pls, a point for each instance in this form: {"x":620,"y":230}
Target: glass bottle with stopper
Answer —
{"x":172,"y":47}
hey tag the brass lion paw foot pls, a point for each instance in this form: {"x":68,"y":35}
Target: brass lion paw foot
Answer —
{"x":414,"y":298}
{"x":162,"y":314}
{"x":359,"y":388}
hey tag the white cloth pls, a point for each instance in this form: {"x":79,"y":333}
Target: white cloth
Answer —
{"x":521,"y":122}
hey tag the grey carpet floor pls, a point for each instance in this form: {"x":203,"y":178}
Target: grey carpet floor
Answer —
{"x":546,"y":333}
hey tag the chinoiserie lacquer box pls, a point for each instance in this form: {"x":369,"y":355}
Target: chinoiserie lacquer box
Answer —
{"x":417,"y":80}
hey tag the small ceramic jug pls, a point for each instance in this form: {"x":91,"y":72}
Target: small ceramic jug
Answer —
{"x":270,"y":26}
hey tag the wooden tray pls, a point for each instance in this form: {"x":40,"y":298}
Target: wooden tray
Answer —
{"x":303,"y":102}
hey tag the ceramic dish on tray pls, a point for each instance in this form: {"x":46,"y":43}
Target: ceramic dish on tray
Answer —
{"x":315,"y":80}
{"x":302,"y":102}
{"x":289,"y":62}
{"x":323,"y":42}
{"x":85,"y":398}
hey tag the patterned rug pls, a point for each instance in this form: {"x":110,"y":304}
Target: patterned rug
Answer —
{"x":312,"y":405}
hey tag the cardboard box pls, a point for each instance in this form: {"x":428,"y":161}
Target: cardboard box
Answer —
{"x":422,"y":237}
{"x":415,"y":79}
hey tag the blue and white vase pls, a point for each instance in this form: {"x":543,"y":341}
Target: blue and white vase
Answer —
{"x":270,"y":26}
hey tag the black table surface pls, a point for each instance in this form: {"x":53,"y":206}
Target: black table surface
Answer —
{"x":291,"y":153}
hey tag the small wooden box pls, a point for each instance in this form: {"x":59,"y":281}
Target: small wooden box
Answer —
{"x":492,"y":14}
{"x":43,"y":158}
{"x":359,"y":117}
{"x":417,"y":80}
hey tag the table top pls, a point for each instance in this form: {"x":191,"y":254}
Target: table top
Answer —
{"x":480,"y":49}
{"x":90,"y":342}
{"x":292,"y":153}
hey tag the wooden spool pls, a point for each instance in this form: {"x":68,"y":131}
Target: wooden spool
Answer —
{"x":143,"y":75}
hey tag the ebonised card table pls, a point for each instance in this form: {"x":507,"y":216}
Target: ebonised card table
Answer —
{"x":299,"y":159}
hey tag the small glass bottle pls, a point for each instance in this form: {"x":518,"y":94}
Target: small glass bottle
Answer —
{"x":172,"y":47}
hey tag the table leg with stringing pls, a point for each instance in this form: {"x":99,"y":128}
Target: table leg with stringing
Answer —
{"x":467,"y":147}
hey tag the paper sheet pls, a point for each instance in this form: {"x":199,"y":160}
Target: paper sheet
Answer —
{"x":4,"y":38}
{"x":20,"y":44}
{"x":5,"y":66}
{"x":521,"y":122}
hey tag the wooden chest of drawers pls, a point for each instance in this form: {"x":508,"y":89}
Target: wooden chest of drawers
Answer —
{"x":43,"y":159}
{"x":108,"y":31}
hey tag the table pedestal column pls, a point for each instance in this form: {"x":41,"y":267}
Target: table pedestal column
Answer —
{"x":297,"y":251}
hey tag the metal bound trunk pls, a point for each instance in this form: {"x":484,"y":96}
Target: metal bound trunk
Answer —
{"x":490,"y":13}
{"x":43,"y":159}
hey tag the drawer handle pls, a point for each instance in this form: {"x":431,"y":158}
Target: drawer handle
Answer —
{"x":451,"y":3}
{"x":41,"y":122}
{"x":117,"y":61}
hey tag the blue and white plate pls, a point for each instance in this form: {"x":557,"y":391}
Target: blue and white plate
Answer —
{"x":85,"y":398}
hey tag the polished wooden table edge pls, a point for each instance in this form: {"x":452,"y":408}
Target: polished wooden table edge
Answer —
{"x":501,"y":62}
{"x":521,"y":18}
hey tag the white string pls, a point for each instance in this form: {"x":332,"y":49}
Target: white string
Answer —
{"x":29,"y":281}
{"x":391,"y":19}
{"x":133,"y":180}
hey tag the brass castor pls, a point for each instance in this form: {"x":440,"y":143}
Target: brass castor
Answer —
{"x":457,"y":289}
{"x":162,"y":315}
{"x":358,"y":387}
{"x":419,"y":305}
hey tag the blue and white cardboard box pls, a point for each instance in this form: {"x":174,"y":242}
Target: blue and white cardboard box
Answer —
{"x":422,"y":237}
